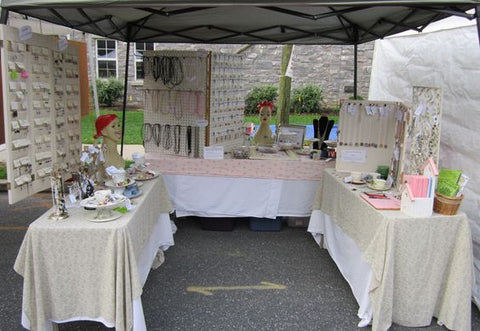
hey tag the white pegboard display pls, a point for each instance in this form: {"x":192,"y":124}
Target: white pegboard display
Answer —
{"x":192,"y":99}
{"x":370,"y":134}
{"x":41,"y":109}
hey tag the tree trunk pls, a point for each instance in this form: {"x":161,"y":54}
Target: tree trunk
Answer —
{"x":284,"y":88}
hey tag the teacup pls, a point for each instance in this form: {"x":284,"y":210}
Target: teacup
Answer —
{"x":131,"y":190}
{"x":379,"y":183}
{"x":102,"y":196}
{"x":119,"y":177}
{"x":138,"y":158}
{"x":356,"y":176}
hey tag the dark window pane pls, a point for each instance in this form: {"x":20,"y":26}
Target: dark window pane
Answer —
{"x":139,"y":70}
{"x":149,"y":46}
{"x":111,"y":44}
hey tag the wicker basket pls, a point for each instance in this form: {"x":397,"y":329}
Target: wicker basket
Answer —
{"x":446,"y":205}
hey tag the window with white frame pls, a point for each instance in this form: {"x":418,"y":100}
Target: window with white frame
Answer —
{"x":106,"y":58}
{"x":140,"y":49}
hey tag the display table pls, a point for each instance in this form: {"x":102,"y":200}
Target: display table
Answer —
{"x":75,"y":269}
{"x":401,"y":269}
{"x":240,"y":188}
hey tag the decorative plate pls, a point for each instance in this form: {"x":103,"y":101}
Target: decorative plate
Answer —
{"x":105,"y":217}
{"x":358,"y":182}
{"x":111,"y":184}
{"x":149,"y":175}
{"x":386,"y":188}
{"x":92,"y":203}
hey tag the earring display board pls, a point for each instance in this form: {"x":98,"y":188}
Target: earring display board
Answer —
{"x":423,"y":132}
{"x":370,"y":133}
{"x":41,"y":105}
{"x":192,"y":99}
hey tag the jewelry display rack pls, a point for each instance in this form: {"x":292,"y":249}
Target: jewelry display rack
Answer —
{"x":41,"y":104}
{"x":192,"y":99}
{"x":423,"y":132}
{"x":371,"y":133}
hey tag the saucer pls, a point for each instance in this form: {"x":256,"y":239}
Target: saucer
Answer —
{"x":385,"y":188}
{"x":358,"y":182}
{"x":132,"y":196}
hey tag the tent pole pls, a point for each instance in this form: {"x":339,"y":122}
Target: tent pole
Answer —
{"x":125,"y":89}
{"x":355,"y":69}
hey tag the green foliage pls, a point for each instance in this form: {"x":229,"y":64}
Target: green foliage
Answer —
{"x":257,"y":95}
{"x":3,"y":171}
{"x":307,"y":99}
{"x":294,"y":119}
{"x":359,"y":97}
{"x":109,"y":90}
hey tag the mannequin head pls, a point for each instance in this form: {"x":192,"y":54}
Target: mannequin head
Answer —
{"x":108,"y":126}
{"x":265,"y":110}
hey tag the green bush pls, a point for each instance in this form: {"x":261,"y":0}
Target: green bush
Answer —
{"x":109,"y":90}
{"x":306,"y":99}
{"x":257,"y":95}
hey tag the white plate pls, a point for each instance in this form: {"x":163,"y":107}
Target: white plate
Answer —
{"x":377,"y":189}
{"x":358,"y":182}
{"x":92,"y":202}
{"x":144,"y":179}
{"x":111,"y":184}
{"x":105,"y":217}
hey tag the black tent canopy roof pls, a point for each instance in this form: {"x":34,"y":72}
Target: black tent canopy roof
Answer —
{"x":241,"y":22}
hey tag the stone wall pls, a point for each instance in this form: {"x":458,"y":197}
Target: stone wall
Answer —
{"x":329,"y":66}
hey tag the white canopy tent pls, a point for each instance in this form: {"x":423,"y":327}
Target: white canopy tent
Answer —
{"x":426,"y":60}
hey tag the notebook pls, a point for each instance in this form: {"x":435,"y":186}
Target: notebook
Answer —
{"x":389,"y":203}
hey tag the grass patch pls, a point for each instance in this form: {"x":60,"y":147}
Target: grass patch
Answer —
{"x":134,"y":122}
{"x":133,"y":126}
{"x":294,"y":119}
{"x":3,"y":171}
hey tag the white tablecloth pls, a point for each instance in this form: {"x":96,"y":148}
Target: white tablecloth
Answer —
{"x":240,"y":197}
{"x":80,"y":270}
{"x":411,"y":268}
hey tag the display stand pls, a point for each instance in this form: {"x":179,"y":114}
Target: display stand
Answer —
{"x":41,"y":103}
{"x":193,"y":99}
{"x":370,"y":133}
{"x":423,"y":132}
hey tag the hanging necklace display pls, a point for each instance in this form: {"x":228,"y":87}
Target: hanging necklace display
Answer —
{"x":177,"y":130}
{"x":157,"y":134}
{"x":167,"y":137}
{"x":189,"y":140}
{"x":146,"y":133}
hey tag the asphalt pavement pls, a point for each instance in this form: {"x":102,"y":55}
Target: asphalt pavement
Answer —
{"x":215,"y":280}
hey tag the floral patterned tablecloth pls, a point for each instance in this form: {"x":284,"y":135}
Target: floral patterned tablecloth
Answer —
{"x":422,"y":267}
{"x":76,"y":268}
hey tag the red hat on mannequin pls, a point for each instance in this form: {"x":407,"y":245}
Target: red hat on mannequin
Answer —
{"x":102,"y":122}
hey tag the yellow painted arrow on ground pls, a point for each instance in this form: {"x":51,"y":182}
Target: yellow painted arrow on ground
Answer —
{"x":208,"y":290}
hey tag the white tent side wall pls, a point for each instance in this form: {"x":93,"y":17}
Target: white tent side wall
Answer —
{"x":449,"y":59}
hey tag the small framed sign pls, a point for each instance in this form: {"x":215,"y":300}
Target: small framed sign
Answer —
{"x":291,"y":135}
